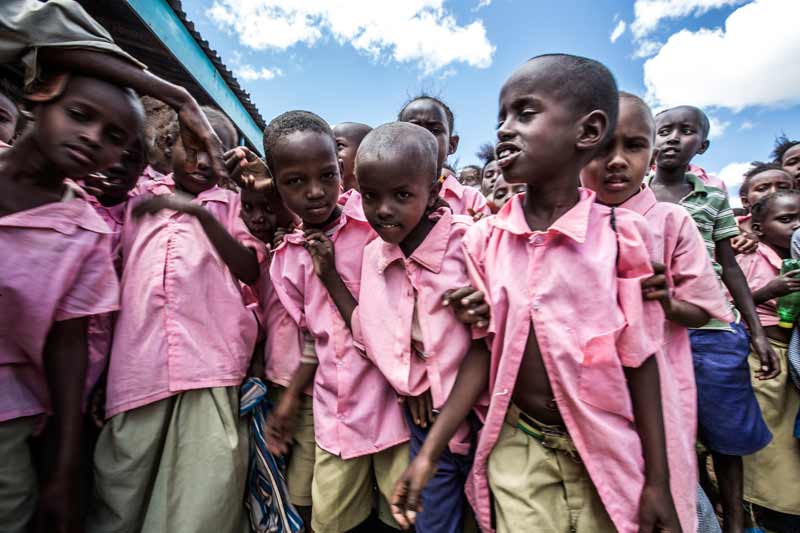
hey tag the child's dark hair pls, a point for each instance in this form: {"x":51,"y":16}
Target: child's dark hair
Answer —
{"x":702,"y":118}
{"x":473,"y":167}
{"x":486,"y":153}
{"x":451,"y":121}
{"x":587,"y":84}
{"x":756,"y":168}
{"x":782,"y":145}
{"x":761,"y":207}
{"x":416,"y":144}
{"x":449,"y":167}
{"x":641,"y":104}
{"x":288,"y":123}
{"x":219,"y":121}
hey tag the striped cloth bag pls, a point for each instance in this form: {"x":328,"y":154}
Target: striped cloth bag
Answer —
{"x":267,"y":498}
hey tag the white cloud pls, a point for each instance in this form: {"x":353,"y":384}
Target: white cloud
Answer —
{"x":619,"y":29}
{"x":716,"y":127}
{"x":249,"y":73}
{"x":647,"y":48}
{"x":483,"y":3}
{"x":746,"y":125}
{"x":752,"y":61}
{"x":733,"y":176}
{"x":649,"y":13}
{"x":411,"y":31}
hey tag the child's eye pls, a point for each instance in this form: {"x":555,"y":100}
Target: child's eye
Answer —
{"x":294,"y":181}
{"x":663,"y":131}
{"x":687,"y":131}
{"x":246,"y":206}
{"x":368,"y":196}
{"x":77,"y":114}
{"x":403,"y":195}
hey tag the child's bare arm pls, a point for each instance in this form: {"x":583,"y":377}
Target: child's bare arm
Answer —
{"x":321,"y":249}
{"x":65,"y":359}
{"x":240,"y":259}
{"x":656,"y":508}
{"x":116,"y":70}
{"x":472,"y":380}
{"x":779,"y":286}
{"x":684,"y":313}
{"x":280,"y":423}
{"x":736,"y":283}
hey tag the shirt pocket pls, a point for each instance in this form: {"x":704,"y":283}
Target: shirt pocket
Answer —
{"x":602,"y":377}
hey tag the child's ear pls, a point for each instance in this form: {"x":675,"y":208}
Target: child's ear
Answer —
{"x":452,"y":144}
{"x":341,"y":168}
{"x":756,"y":227}
{"x":745,"y":202}
{"x":704,"y":147}
{"x":592,"y":130}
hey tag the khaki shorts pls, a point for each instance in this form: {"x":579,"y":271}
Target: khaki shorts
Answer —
{"x":300,"y":468}
{"x":542,"y":484}
{"x":772,"y":474}
{"x":342,"y":489}
{"x":18,"y":485}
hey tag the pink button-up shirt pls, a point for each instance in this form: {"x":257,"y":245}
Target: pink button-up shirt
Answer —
{"x":284,"y":342}
{"x":761,"y":267}
{"x":579,"y":284}
{"x":355,"y":409}
{"x":183,"y":322}
{"x":101,"y":326}
{"x":678,"y":245}
{"x":463,"y":199}
{"x":56,"y":265}
{"x":382,"y":321}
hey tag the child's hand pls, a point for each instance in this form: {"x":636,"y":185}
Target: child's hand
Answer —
{"x":469,"y":305}
{"x":420,"y":407}
{"x":476,"y":216}
{"x":176,"y":202}
{"x":321,"y":249}
{"x":656,"y":288}
{"x":248,"y":170}
{"x":770,"y":366}
{"x":280,"y":234}
{"x":406,"y":501}
{"x":744,"y":243}
{"x":657,"y":511}
{"x":784,"y":284}
{"x":280,"y":425}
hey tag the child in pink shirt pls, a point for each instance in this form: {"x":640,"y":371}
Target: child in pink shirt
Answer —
{"x":416,"y":342}
{"x":182,"y":344}
{"x":771,"y":474}
{"x":759,"y":181}
{"x":358,"y":424}
{"x":348,"y":137}
{"x":436,"y":117}
{"x":687,"y":289}
{"x":572,"y":372}
{"x":55,"y":272}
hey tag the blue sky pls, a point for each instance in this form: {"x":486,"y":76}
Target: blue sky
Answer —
{"x":360,"y":60}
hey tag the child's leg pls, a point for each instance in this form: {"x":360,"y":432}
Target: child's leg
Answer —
{"x":388,"y":466}
{"x":18,"y":484}
{"x":179,"y":464}
{"x":538,"y":485}
{"x":443,"y":497}
{"x":731,"y":490}
{"x":341,"y":492}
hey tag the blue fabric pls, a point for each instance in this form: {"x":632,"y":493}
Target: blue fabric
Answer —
{"x":267,"y":497}
{"x":729,"y":418}
{"x":793,"y":355}
{"x":706,"y":517}
{"x":443,"y":497}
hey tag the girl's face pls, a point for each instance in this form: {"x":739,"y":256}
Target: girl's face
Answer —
{"x":432,"y":116}
{"x":781,"y":221}
{"x":87,"y":128}
{"x":491,"y":173}
{"x":202,"y":178}
{"x":617,"y":173}
{"x":113,"y":185}
{"x":503,"y":191}
{"x":765,"y":183}
{"x":791,"y":162}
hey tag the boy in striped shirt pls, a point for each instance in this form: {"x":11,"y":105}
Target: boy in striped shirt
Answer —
{"x":730,"y":424}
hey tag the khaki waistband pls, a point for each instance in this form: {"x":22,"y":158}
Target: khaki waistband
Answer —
{"x":551,"y":436}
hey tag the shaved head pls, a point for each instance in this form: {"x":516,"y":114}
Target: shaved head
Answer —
{"x":403,"y":142}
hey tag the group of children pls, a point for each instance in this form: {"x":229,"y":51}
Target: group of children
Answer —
{"x":555,"y":359}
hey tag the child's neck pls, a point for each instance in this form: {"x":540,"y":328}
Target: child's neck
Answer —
{"x":337,"y":212}
{"x":671,"y":176}
{"x":546,"y":203}
{"x":417,"y":235}
{"x":26,"y":163}
{"x":782,"y":252}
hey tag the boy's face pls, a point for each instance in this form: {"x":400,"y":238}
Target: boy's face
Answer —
{"x":491,"y":173}
{"x":678,"y":137}
{"x":113,"y":185}
{"x":307,"y":175}
{"x":791,"y":162}
{"x":766,"y":183}
{"x":431,"y":116}
{"x":536,"y":131}
{"x":9,"y":115}
{"x":617,"y":172}
{"x":395,"y":196}
{"x":87,"y":128}
{"x":258,"y":214}
{"x":347,"y":142}
{"x":470,"y":177}
{"x":202,"y":178}
{"x":780,"y":222}
{"x":503,"y":191}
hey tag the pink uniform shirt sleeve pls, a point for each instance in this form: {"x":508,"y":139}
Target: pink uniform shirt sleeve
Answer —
{"x":288,"y":282}
{"x":95,"y":289}
{"x":473,"y":259}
